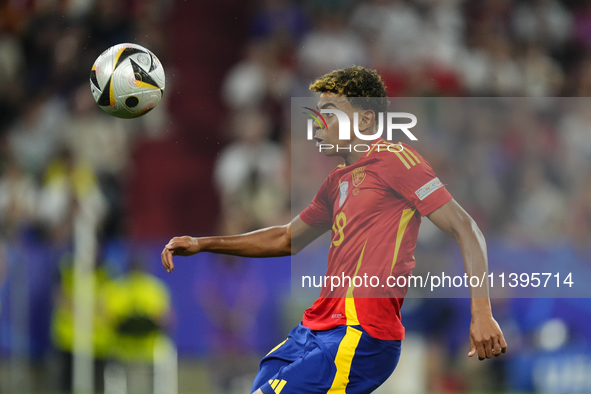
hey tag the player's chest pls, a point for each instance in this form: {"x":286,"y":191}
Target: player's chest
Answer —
{"x":360,"y":190}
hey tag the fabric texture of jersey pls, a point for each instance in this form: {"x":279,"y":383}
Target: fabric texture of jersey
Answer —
{"x":374,"y":208}
{"x":344,"y":359}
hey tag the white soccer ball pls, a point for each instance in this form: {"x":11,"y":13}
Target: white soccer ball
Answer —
{"x":127,"y":81}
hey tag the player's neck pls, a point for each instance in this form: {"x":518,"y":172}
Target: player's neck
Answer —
{"x":352,"y":157}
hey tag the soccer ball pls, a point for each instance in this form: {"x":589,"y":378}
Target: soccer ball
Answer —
{"x":127,"y":81}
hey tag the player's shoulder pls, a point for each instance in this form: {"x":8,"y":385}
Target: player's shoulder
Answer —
{"x":336,"y":172}
{"x":396,"y":155}
{"x":332,"y":178}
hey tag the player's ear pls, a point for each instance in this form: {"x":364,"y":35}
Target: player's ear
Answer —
{"x":366,"y":120}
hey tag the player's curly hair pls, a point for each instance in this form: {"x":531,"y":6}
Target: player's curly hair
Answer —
{"x":363,"y":88}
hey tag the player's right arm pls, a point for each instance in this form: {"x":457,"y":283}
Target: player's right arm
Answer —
{"x":268,"y":242}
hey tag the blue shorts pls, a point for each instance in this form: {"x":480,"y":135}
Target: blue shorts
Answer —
{"x":344,"y":360}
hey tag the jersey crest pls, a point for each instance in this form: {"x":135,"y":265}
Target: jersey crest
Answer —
{"x":358,"y":176}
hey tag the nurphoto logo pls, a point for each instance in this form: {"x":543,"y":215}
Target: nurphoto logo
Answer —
{"x":345,"y":124}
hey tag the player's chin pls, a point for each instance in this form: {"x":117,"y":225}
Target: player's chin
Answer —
{"x":329,"y":152}
{"x":328,"y":149}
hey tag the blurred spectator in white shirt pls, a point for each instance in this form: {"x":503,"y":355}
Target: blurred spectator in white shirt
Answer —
{"x":37,"y":136}
{"x":258,"y":77}
{"x":542,"y":21}
{"x":330,"y":45}
{"x":396,"y":26}
{"x":250,"y":177}
{"x":541,"y":207}
{"x":542,"y":76}
{"x":101,"y":140}
{"x":18,"y":198}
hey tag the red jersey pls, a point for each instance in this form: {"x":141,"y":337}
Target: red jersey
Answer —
{"x":374,"y":208}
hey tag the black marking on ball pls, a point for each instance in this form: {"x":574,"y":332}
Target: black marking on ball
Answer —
{"x":154,"y":63}
{"x":93,"y":79}
{"x":144,"y":76}
{"x":104,"y":100}
{"x":127,"y":52}
{"x":132,"y":101}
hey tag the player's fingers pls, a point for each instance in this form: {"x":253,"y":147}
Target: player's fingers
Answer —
{"x":503,"y":344}
{"x":170,"y":262}
{"x":167,"y":260}
{"x":164,"y":259}
{"x":488,"y":348}
{"x":472,"y":348}
{"x":481,"y":351}
{"x":497,"y":348}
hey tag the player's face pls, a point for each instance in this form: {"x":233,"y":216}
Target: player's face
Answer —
{"x":329,"y":136}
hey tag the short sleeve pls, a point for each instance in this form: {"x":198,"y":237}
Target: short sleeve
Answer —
{"x":411,"y":176}
{"x":319,"y":212}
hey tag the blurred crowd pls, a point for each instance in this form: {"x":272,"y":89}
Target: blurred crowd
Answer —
{"x":130,"y":313}
{"x":61,"y":159}
{"x":421,"y":48}
{"x":58,"y":154}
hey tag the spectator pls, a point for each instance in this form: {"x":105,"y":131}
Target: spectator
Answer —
{"x":42,"y":120}
{"x":138,"y":308}
{"x":332,"y":45}
{"x":69,"y":187}
{"x":542,"y":21}
{"x":249,"y":175}
{"x":18,"y":199}
{"x":540,"y":208}
{"x":63,"y":322}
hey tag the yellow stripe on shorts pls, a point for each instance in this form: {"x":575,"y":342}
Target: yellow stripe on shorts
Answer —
{"x":277,"y":385}
{"x":344,"y":359}
{"x":276,"y":347}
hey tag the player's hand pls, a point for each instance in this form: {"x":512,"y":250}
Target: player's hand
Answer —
{"x":179,"y":246}
{"x":486,"y":338}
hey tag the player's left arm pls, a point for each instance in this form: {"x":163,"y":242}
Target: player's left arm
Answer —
{"x":486,"y":337}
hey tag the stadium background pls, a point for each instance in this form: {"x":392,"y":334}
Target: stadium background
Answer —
{"x":214,"y":158}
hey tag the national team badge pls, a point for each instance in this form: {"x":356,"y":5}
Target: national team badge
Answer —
{"x":358,"y":176}
{"x":344,"y":189}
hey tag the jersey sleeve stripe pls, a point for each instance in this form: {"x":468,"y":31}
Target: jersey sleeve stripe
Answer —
{"x":412,"y":154}
{"x":407,"y":214}
{"x":402,"y":160}
{"x":371,"y":149}
{"x":408,"y":157}
{"x":276,"y":347}
{"x":344,"y":359}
